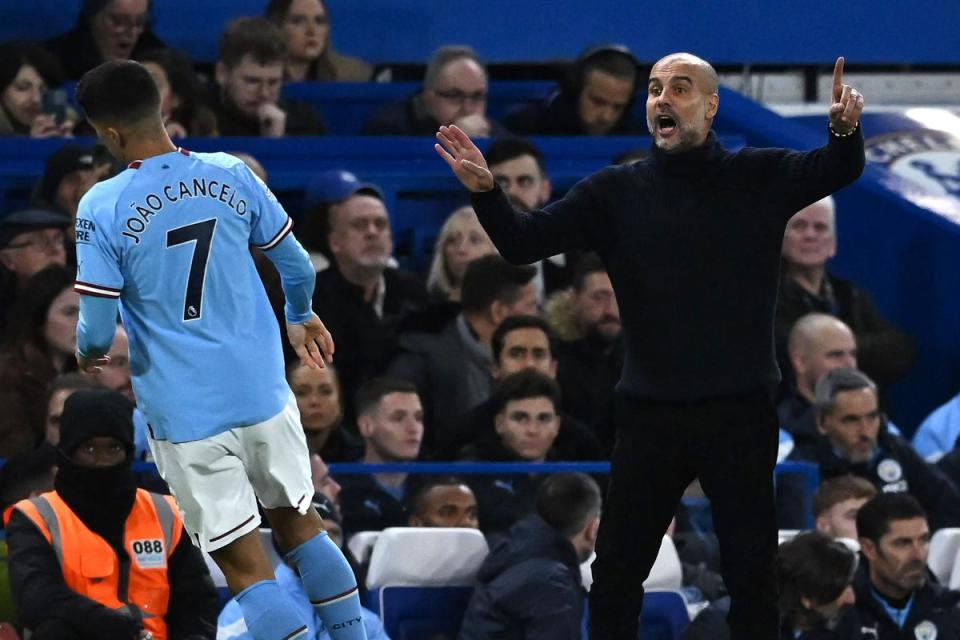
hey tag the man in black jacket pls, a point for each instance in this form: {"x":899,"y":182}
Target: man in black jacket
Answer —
{"x":691,"y":238}
{"x":895,"y":597}
{"x":96,"y":484}
{"x":858,"y":443}
{"x":530,"y":586}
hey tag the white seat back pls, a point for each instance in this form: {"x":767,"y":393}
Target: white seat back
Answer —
{"x":944,"y":546}
{"x":421,"y":557}
{"x":665,"y":574}
{"x":361,"y":544}
{"x":786,"y":534}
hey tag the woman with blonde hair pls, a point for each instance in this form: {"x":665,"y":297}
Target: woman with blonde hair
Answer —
{"x":461,"y":241}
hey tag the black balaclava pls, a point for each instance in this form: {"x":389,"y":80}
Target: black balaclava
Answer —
{"x":100,"y":496}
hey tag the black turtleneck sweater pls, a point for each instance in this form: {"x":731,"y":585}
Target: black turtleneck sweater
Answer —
{"x":691,"y":241}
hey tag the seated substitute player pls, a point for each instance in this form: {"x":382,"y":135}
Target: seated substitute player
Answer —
{"x":168,"y":238}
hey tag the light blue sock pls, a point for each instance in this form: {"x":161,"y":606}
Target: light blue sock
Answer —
{"x":331,"y":586}
{"x":269,"y":614}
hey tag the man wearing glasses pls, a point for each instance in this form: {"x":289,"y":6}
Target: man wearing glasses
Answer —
{"x":454,"y":92}
{"x":30,"y":240}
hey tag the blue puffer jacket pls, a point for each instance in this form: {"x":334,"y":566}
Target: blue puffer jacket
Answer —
{"x":529,"y":589}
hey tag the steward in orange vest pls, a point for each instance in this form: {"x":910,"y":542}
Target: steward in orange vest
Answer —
{"x":97,"y":557}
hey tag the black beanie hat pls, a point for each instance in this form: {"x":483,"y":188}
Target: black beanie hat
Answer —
{"x":93,"y":413}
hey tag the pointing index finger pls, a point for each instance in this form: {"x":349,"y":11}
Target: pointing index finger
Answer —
{"x":838,"y":79}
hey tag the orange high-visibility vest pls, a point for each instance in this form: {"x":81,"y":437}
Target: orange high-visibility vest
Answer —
{"x":92,"y":568}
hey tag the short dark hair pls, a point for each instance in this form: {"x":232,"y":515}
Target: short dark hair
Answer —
{"x":611,"y":60}
{"x":568,"y":501}
{"x":257,"y":37}
{"x":73,"y":381}
{"x":491,"y":278}
{"x":839,"y":489}
{"x":874,"y":517}
{"x":588,"y":264}
{"x":420,"y":486}
{"x":836,"y":382}
{"x":525,"y":384}
{"x":512,"y":323}
{"x":120,"y":91}
{"x":815,"y":566}
{"x":277,"y":10}
{"x":29,"y":313}
{"x":372,"y":391}
{"x":506,"y":149}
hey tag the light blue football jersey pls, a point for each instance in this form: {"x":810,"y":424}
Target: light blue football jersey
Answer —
{"x":170,"y":238}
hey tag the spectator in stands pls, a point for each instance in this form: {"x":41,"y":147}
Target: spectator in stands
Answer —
{"x":42,"y":344}
{"x":883,"y":352}
{"x":249,"y":76}
{"x":27,"y":73}
{"x":310,"y":53}
{"x":323,"y":482}
{"x":320,"y":402}
{"x":96,"y":517}
{"x":895,"y":597}
{"x":818,"y":343}
{"x":590,"y":353}
{"x":526,"y":424}
{"x":26,"y":475}
{"x":452,"y":369}
{"x":814,"y":576}
{"x":185,"y":105}
{"x":937,"y":434}
{"x":442,"y":502}
{"x":115,"y":374}
{"x":69,"y":173}
{"x":461,"y":241}
{"x":518,"y":167}
{"x":61,"y":388}
{"x":390,"y":420}
{"x":231,"y":625}
{"x":858,"y":443}
{"x":520,"y":343}
{"x":30,"y":241}
{"x":455,"y":89}
{"x":105,"y":30}
{"x":361,"y":297}
{"x":595,"y":100}
{"x":836,"y":502}
{"x":530,"y":585}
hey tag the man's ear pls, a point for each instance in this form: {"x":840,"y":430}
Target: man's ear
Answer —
{"x":365,"y":426}
{"x":821,"y":422}
{"x":868,"y":549}
{"x":546,"y":188}
{"x":713,"y":105}
{"x":498,"y":421}
{"x":221,"y":73}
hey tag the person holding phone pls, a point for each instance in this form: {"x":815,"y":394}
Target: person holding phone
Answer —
{"x":27,"y":105}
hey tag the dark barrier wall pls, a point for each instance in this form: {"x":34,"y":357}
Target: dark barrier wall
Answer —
{"x":808,"y":31}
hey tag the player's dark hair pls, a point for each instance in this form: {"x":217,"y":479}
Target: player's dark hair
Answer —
{"x":419,"y":486}
{"x":588,"y":264}
{"x":838,"y":381}
{"x":525,"y":384}
{"x":875,"y":516}
{"x":119,"y":91}
{"x":839,"y":489}
{"x":814,"y":566}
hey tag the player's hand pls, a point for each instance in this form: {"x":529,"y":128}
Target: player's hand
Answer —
{"x":312,"y":342}
{"x":847,"y":102}
{"x":463,"y":157}
{"x":92,"y":365}
{"x":273,"y":120}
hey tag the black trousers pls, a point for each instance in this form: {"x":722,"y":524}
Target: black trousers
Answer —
{"x":730,"y":443}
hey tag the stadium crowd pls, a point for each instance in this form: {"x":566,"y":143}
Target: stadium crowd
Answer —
{"x":473,"y":360}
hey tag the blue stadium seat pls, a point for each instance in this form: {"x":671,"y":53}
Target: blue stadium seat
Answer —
{"x":664,"y":615}
{"x":415,"y":613}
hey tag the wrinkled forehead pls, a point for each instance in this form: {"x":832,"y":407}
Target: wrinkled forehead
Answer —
{"x":684,"y":68}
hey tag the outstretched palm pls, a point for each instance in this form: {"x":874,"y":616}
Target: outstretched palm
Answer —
{"x":463,"y":157}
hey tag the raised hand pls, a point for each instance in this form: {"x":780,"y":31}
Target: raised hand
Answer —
{"x":312,"y":342}
{"x":847,"y":102}
{"x":464,"y":159}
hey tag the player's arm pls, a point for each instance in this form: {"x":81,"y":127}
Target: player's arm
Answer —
{"x":95,"y":331}
{"x":307,"y":335}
